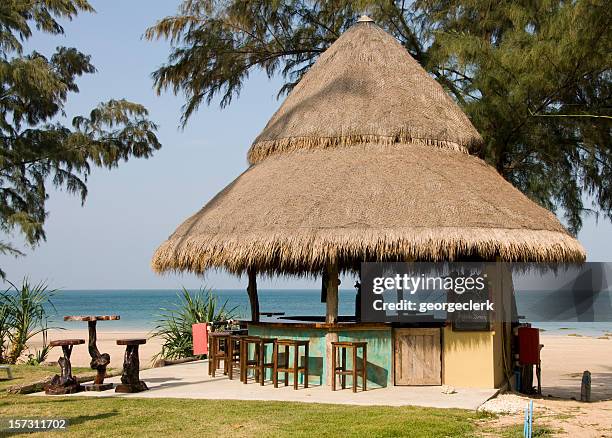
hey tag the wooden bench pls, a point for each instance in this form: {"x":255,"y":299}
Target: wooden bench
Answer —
{"x":65,"y":383}
{"x":130,"y":377}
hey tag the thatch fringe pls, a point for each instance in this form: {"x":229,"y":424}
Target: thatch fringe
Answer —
{"x":306,"y":251}
{"x":265,"y":148}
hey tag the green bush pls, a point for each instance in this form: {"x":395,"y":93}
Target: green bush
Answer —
{"x":40,"y":356}
{"x":22,"y":316}
{"x":174,"y":325}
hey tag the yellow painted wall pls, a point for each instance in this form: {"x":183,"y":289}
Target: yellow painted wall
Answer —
{"x":472,"y":359}
{"x":476,"y":359}
{"x":498,"y":351}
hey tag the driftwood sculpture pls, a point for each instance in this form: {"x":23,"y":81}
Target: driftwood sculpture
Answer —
{"x":130,"y":377}
{"x":99,"y":361}
{"x":65,"y":382}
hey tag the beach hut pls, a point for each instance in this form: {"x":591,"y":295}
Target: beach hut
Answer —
{"x":368,"y":159}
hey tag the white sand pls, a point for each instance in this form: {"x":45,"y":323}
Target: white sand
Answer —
{"x":564,"y":358}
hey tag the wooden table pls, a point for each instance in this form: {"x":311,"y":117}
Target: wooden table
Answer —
{"x":99,"y":361}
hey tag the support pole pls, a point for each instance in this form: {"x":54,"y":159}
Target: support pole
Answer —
{"x":331,"y":317}
{"x":252,"y":291}
{"x":331,"y":313}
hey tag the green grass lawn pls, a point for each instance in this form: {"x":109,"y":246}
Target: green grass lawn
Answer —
{"x":109,"y":417}
{"x":516,"y":431}
{"x":173,"y":417}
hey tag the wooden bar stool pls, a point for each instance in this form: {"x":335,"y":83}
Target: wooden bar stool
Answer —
{"x":219,"y":342}
{"x":295,"y":369}
{"x":245,"y":361}
{"x":130,"y":377}
{"x":234,"y":355}
{"x":65,"y":383}
{"x":258,"y":363}
{"x":342,"y":371}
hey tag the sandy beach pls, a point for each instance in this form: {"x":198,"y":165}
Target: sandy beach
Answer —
{"x":564,"y":358}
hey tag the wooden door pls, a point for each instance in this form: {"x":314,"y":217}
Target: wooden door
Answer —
{"x":418,"y":359}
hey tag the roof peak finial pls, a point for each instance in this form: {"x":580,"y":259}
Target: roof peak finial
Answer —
{"x":365,"y":19}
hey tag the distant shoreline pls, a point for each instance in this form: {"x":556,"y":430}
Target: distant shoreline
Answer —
{"x":141,"y":309}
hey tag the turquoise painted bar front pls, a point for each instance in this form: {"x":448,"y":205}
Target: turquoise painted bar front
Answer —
{"x":379,"y":349}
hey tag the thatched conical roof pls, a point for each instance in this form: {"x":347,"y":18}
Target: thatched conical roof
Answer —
{"x":365,"y":88}
{"x":393,"y":182}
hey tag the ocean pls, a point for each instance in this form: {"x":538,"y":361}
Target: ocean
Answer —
{"x":140,"y":309}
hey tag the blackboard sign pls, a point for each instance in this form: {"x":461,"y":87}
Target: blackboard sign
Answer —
{"x":471,"y":320}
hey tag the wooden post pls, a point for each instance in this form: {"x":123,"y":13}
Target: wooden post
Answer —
{"x":331,"y":317}
{"x":252,"y":291}
{"x":331,"y":313}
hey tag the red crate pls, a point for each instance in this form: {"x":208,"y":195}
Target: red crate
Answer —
{"x":529,"y":345}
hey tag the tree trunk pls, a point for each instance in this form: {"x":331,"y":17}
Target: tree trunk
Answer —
{"x":331,"y":313}
{"x":331,"y":317}
{"x":252,"y":291}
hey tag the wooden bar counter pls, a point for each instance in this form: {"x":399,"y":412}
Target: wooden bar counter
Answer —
{"x":379,"y":337}
{"x":399,"y":354}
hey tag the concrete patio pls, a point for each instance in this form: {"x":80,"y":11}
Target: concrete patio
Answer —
{"x":191,"y":380}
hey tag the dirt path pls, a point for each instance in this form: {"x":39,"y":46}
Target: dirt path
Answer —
{"x":561,"y":418}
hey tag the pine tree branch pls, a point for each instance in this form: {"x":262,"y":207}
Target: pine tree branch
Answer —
{"x":595,"y":116}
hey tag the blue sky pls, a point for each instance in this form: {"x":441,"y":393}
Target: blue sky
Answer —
{"x":108,"y":243}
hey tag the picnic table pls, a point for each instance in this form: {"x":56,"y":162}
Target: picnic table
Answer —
{"x":99,"y":361}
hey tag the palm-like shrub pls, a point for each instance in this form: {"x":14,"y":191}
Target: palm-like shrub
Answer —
{"x":39,"y":356}
{"x":22,"y":316}
{"x":174,"y":325}
{"x":4,"y":328}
